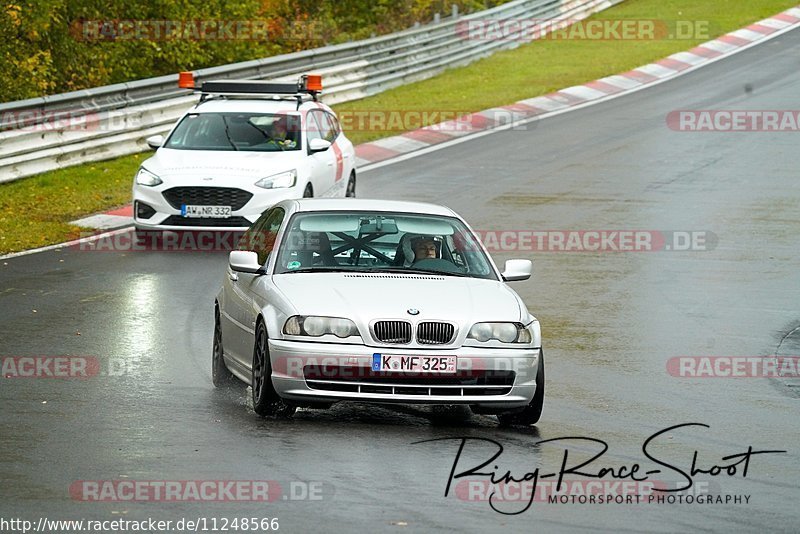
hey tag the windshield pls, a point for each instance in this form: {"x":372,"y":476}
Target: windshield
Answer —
{"x":381,"y":242}
{"x":251,"y":132}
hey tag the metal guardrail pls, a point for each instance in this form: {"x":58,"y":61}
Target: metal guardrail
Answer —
{"x":51,"y":132}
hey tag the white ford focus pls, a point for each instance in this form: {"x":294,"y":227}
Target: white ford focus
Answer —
{"x":245,"y":147}
{"x":375,"y":301}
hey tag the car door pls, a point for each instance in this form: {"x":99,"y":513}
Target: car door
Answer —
{"x":345,"y":156}
{"x":239,"y":304}
{"x":231,"y":304}
{"x":323,"y":164}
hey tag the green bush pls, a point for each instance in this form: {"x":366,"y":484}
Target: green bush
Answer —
{"x":51,"y":46}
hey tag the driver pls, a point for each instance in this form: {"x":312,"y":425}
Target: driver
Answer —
{"x":280,"y":133}
{"x":424,"y":248}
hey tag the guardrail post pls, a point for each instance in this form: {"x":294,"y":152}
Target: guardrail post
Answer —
{"x":455,"y":11}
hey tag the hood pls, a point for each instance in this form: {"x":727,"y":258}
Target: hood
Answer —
{"x":167,"y":163}
{"x":365,"y":297}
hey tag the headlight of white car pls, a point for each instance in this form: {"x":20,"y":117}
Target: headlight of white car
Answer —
{"x":279,"y":181}
{"x":502,"y":332}
{"x":145,"y":177}
{"x":314,"y":326}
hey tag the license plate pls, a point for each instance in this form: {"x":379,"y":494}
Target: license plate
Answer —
{"x":206,"y":212}
{"x":414,"y":364}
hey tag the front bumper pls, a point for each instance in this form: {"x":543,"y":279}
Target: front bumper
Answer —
{"x":317,"y":372}
{"x":167,"y":217}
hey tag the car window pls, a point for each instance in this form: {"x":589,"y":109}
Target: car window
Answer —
{"x":249,"y":132}
{"x":380,"y":241}
{"x":323,"y":126}
{"x":326,"y":126}
{"x":260,"y":237}
{"x":336,"y":127}
{"x":312,"y":126}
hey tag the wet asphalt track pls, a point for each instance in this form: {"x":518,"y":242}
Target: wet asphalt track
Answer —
{"x":610,"y":323}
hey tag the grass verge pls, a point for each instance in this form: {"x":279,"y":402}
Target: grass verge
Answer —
{"x":36,"y":211}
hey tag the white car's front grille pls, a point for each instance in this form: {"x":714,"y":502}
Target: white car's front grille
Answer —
{"x":435,"y":333}
{"x":393,"y":332}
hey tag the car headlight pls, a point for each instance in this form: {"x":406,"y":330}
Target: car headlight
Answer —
{"x":145,"y":177}
{"x":503,"y":332}
{"x":279,"y":181}
{"x":314,"y":326}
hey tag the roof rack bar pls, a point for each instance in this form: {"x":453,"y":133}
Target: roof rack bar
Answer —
{"x":250,"y":86}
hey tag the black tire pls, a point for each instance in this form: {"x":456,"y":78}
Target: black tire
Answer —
{"x":531,"y":414}
{"x":266,"y":400}
{"x":220,"y":374}
{"x":309,"y":192}
{"x":350,"y":192}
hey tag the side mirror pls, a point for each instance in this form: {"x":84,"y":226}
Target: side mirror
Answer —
{"x":155,"y":141}
{"x":318,"y":145}
{"x":517,"y":270}
{"x":244,"y":261}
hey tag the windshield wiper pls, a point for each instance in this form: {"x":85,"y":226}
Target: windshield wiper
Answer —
{"x":228,"y":133}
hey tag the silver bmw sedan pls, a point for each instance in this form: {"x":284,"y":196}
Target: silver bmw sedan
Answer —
{"x":332,"y":300}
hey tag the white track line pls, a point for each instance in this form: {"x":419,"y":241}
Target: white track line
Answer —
{"x":446,"y":144}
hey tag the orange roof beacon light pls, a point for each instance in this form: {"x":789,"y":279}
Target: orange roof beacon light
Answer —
{"x":313,"y":82}
{"x":186,"y":80}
